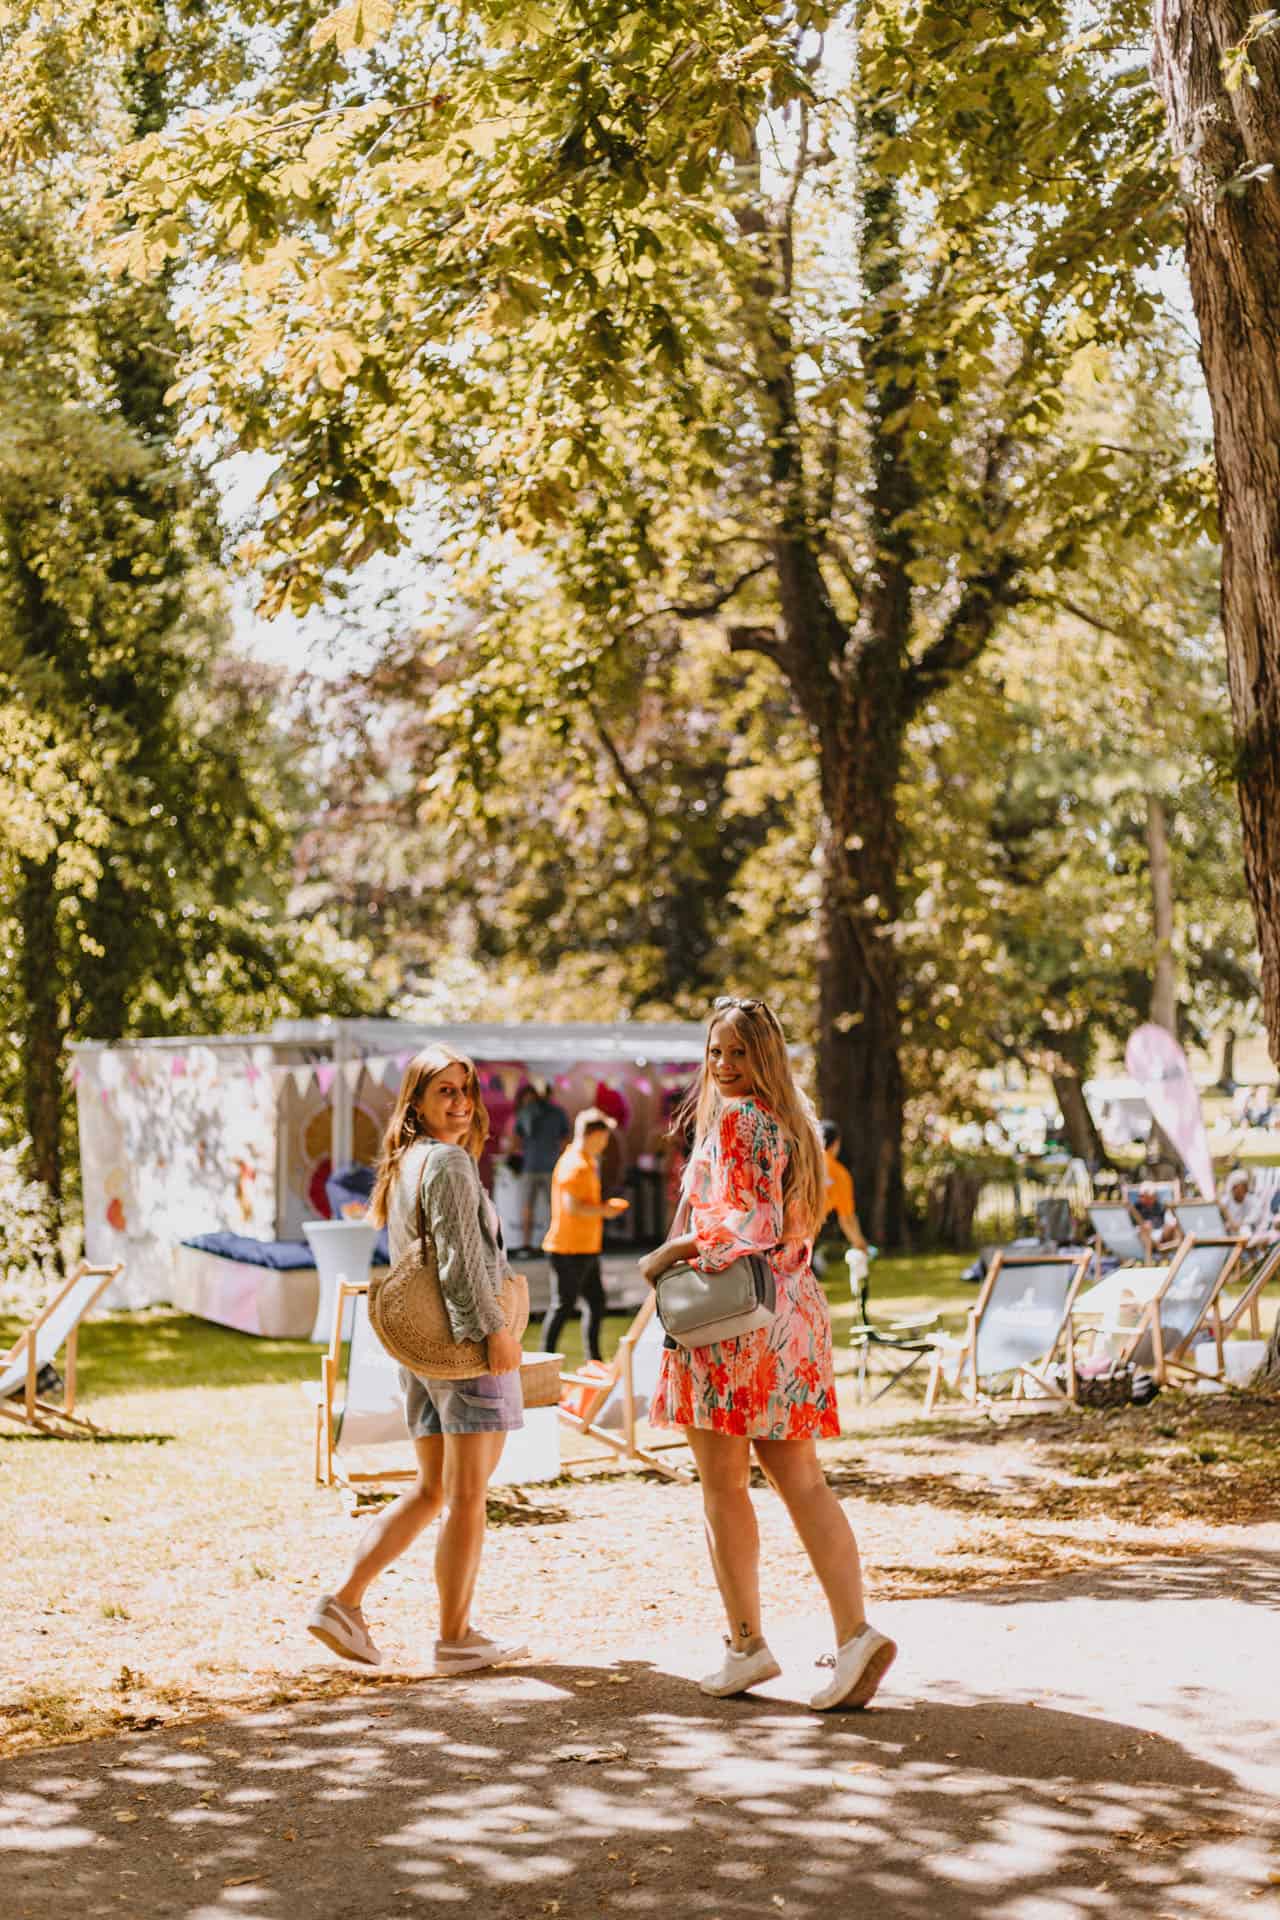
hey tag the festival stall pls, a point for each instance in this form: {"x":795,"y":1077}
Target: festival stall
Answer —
{"x":234,"y":1140}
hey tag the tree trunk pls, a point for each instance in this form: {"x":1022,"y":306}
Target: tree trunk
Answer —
{"x":1233,"y":256}
{"x":859,"y":1065}
{"x":37,"y":908}
{"x":1164,"y":980}
{"x":1082,"y":1134}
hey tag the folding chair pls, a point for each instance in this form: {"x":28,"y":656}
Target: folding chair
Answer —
{"x":1015,"y":1327}
{"x":1256,"y":1278}
{"x":1186,"y":1301}
{"x":1201,"y":1220}
{"x":371,"y":1410}
{"x":39,"y":1344}
{"x":606,"y":1404}
{"x":370,"y":1413}
{"x":911,"y":1337}
{"x":1117,"y":1232}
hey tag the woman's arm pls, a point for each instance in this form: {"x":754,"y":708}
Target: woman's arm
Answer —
{"x":449,"y":1197}
{"x":656,"y":1263}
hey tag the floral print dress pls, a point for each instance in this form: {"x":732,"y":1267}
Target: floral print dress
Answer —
{"x":777,"y":1383}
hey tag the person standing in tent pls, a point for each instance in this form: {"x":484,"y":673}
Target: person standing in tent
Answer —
{"x":429,"y":1154}
{"x":756,"y":1184}
{"x":542,"y":1127}
{"x":575,"y":1238}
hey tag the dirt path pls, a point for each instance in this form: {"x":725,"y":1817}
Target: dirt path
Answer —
{"x":1098,"y":1743}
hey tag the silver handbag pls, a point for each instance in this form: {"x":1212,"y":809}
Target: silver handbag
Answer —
{"x":699,"y":1309}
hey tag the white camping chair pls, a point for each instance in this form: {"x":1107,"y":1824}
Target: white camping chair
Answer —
{"x":38,"y":1346}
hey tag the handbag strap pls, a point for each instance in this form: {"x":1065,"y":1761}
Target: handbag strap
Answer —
{"x":421,"y":1208}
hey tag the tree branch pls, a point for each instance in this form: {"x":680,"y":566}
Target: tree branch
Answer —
{"x":698,"y":609}
{"x":620,"y":767}
{"x":968,"y":628}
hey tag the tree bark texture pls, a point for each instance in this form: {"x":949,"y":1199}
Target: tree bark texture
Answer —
{"x":1164,"y":978}
{"x":1082,"y":1133}
{"x":1233,"y":256}
{"x":42,"y":1039}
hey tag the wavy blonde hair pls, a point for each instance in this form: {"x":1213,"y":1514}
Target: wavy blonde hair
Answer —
{"x":774,"y":1084}
{"x":405,"y":1127}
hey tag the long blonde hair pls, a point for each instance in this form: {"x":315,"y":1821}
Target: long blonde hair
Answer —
{"x":405,"y":1128}
{"x":774,"y":1084}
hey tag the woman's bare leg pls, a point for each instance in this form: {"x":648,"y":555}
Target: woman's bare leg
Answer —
{"x":398,"y":1526}
{"x":793,"y":1470}
{"x":469,"y":1461}
{"x":733,"y":1538}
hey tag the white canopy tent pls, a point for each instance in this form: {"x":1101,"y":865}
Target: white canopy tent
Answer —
{"x":188,"y":1136}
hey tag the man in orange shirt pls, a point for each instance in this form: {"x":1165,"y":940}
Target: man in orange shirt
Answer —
{"x":840,"y":1199}
{"x":576,"y":1234}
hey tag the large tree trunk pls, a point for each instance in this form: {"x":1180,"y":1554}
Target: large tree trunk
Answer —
{"x":859,"y":1065}
{"x":1233,"y":254}
{"x":1082,"y":1133}
{"x":1164,"y":979}
{"x":42,"y":1050}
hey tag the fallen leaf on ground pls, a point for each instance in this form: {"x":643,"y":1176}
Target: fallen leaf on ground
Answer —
{"x":244,"y":1880}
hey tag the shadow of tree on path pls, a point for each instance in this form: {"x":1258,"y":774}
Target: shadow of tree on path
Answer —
{"x":575,"y":1792}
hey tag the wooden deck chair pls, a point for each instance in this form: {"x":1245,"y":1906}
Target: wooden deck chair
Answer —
{"x":1186,"y":1302}
{"x":1015,"y":1327}
{"x":1117,"y":1231}
{"x":1255,"y":1278}
{"x":1201,"y":1220}
{"x":607,"y":1405}
{"x":359,"y":1409}
{"x":360,"y":1404}
{"x":38,"y":1346}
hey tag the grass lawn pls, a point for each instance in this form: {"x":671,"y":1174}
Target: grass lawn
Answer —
{"x":165,"y":1572}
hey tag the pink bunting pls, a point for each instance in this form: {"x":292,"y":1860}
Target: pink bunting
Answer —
{"x":325,"y":1077}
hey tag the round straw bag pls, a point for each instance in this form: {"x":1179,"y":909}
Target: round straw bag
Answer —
{"x":409,"y":1316}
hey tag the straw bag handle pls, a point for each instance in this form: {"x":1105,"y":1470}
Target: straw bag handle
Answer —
{"x":428,"y":1250}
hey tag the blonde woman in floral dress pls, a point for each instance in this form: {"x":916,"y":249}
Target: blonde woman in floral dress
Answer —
{"x":756,"y":1184}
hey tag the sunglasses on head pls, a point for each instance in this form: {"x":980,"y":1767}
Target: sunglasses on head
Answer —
{"x":728,"y":1000}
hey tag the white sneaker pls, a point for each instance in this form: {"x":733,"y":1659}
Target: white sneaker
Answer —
{"x":860,"y":1665}
{"x":343,"y":1631}
{"x":469,"y":1656}
{"x":740,"y":1671}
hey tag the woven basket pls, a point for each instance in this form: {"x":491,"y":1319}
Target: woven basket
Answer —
{"x":540,"y":1379}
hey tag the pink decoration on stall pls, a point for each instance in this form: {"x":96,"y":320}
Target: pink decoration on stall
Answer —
{"x":615,"y":1104}
{"x":316,"y":1194}
{"x":178,"y":1067}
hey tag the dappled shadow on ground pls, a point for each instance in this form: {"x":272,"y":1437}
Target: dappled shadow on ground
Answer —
{"x":576,"y":1791}
{"x":1185,"y":1456}
{"x":1244,"y":1574}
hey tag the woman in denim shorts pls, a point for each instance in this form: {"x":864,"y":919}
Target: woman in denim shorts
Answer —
{"x":432,"y":1144}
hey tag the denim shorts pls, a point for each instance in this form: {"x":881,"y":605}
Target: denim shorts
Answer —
{"x":487,"y":1403}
